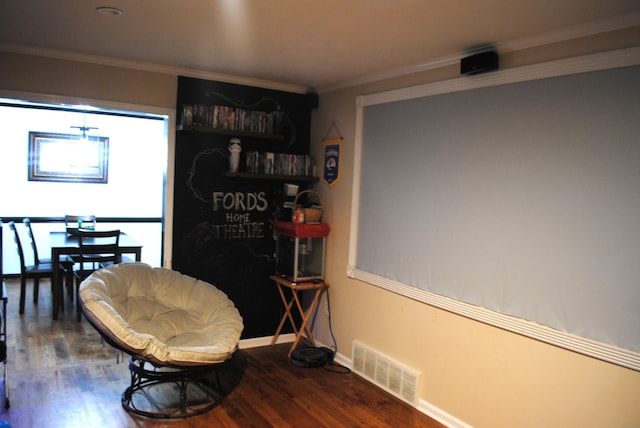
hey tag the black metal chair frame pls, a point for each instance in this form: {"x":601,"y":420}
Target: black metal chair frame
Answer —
{"x":184,"y":378}
{"x":143,"y":379}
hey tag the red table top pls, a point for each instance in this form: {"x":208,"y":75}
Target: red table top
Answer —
{"x":302,"y":230}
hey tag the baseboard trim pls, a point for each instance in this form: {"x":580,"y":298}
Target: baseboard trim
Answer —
{"x":441,"y":416}
{"x":425,"y":407}
{"x":265,"y":341}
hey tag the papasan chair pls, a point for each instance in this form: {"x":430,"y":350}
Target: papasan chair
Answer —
{"x":176,"y":330}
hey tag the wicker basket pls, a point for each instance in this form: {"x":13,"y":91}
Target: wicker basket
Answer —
{"x":312,"y":214}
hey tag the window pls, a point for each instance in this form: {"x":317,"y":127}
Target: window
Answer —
{"x":136,"y":149}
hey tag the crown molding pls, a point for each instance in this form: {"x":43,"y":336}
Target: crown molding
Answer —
{"x":150,"y":67}
{"x":576,"y":32}
{"x":595,"y":27}
{"x":584,"y":30}
{"x":561,"y":67}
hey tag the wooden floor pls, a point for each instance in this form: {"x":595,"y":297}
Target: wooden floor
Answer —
{"x":61,"y":375}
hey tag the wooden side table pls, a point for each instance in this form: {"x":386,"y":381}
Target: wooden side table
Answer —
{"x":295,"y":287}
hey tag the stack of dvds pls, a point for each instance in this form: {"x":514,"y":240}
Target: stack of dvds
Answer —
{"x":232,"y":118}
{"x":278,"y":163}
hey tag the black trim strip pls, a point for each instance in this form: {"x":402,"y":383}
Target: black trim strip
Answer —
{"x":98,"y":219}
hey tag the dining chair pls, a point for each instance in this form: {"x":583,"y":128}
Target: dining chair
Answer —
{"x":35,"y":271}
{"x":1,"y":255}
{"x":97,"y":249}
{"x":3,"y":324}
{"x":75,"y":222}
{"x":66,"y":261}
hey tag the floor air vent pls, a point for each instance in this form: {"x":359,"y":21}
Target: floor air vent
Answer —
{"x":386,"y":373}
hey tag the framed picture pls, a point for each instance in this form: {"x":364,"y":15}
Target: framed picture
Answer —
{"x":68,"y":158}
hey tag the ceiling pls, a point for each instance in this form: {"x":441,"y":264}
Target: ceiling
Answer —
{"x":309,"y":43}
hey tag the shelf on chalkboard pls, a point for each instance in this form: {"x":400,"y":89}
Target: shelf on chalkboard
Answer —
{"x":255,"y":175}
{"x":235,"y":133}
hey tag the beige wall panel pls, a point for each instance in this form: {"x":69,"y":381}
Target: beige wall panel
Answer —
{"x":86,"y":81}
{"x":479,"y":374}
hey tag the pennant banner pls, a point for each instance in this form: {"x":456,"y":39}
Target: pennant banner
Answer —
{"x":332,"y":149}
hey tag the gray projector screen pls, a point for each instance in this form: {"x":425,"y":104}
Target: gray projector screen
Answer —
{"x":521,"y":198}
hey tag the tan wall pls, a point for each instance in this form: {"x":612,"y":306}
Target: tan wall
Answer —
{"x":48,"y":76}
{"x":481,"y":375}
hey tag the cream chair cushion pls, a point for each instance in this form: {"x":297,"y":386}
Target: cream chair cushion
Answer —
{"x":161,"y":315}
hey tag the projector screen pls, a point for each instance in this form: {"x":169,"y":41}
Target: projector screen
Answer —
{"x":518,"y":201}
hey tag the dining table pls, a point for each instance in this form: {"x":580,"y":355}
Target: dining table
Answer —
{"x":64,"y":243}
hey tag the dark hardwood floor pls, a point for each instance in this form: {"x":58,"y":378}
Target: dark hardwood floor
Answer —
{"x":62,"y":375}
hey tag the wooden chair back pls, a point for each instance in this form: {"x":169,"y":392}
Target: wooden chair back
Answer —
{"x":32,"y":271}
{"x":34,"y":246}
{"x":16,"y":238}
{"x":80,"y":221}
{"x":98,"y":248}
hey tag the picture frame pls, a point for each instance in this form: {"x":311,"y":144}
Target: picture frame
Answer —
{"x":68,"y":158}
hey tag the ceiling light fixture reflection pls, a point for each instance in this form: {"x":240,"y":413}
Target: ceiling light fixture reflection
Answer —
{"x":109,"y":11}
{"x":84,"y":128}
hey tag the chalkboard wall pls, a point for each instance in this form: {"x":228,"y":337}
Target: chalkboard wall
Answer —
{"x":222,"y":227}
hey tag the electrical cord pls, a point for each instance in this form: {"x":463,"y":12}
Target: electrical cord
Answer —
{"x":330,"y":366}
